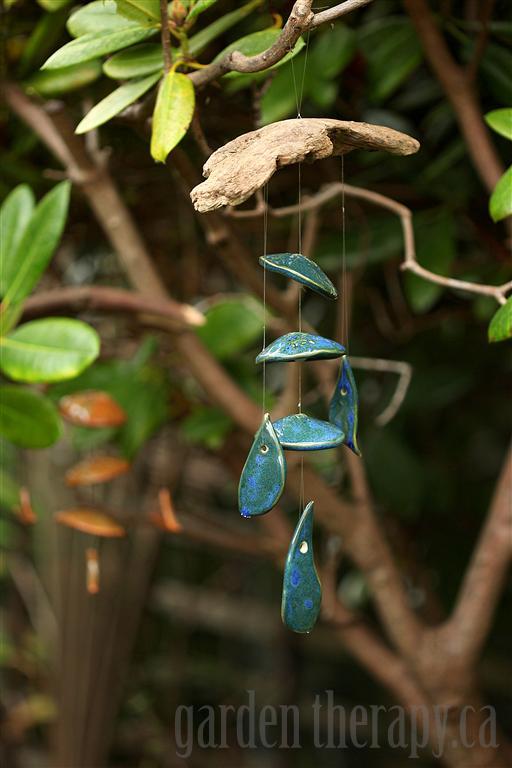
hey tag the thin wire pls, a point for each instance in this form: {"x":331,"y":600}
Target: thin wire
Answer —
{"x":344,"y":298}
{"x":298,"y":100}
{"x":264,"y":340}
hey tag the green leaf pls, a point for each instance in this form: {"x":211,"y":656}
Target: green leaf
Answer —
{"x":435,"y":244}
{"x":35,"y":249}
{"x":45,"y":36}
{"x":500,"y":204}
{"x":207,"y":426}
{"x":9,"y":488}
{"x":199,"y":7}
{"x":138,"y":61}
{"x":332,"y":51}
{"x":198,"y":42}
{"x":52,"y":349}
{"x":96,"y":44}
{"x":115,"y":102}
{"x":27,"y":418}
{"x":98,"y":16}
{"x":500,"y":120}
{"x":173,"y":113}
{"x":53,"y":82}
{"x":15,"y":214}
{"x":500,"y":327}
{"x":392,"y":52}
{"x":143,"y":12}
{"x":53,"y":5}
{"x":231,"y":326}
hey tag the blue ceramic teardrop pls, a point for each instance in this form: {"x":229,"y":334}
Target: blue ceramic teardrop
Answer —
{"x":303,"y":270}
{"x":300,"y":432}
{"x":344,"y":405}
{"x":302,"y":592}
{"x":300,"y":346}
{"x":264,"y":473}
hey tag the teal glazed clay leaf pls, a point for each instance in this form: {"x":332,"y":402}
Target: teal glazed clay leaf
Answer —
{"x":343,"y":409}
{"x":264,"y":474}
{"x":300,"y":346}
{"x":301,"y":269}
{"x":300,"y":432}
{"x":302,"y":591}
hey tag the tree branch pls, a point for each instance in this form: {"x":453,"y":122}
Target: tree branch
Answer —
{"x":98,"y":297}
{"x":469,"y":625}
{"x":459,"y":91}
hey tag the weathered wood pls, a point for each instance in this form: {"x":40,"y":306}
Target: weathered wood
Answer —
{"x":239,"y":168}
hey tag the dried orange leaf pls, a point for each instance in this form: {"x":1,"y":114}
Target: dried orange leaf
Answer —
{"x":92,"y":409}
{"x":97,"y":469}
{"x":25,"y":512}
{"x":91,"y":521}
{"x":93,"y":571}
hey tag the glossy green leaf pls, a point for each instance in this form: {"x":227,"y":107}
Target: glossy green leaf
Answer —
{"x":96,"y":44}
{"x":500,"y":120}
{"x":500,"y":327}
{"x":500,"y":204}
{"x":392,"y":51}
{"x":146,"y":13}
{"x":53,"y":82}
{"x":115,"y":102}
{"x":27,"y":418}
{"x":36,"y":247}
{"x":199,"y":7}
{"x":138,"y":61}
{"x":98,"y":16}
{"x":52,"y":349}
{"x":231,"y":326}
{"x":173,"y":113}
{"x":15,"y":214}
{"x":198,"y":42}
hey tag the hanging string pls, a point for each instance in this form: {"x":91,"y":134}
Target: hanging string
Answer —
{"x":298,"y":99}
{"x":344,"y":296}
{"x":264,"y":339}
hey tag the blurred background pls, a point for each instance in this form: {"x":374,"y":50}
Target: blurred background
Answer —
{"x":194,"y":618}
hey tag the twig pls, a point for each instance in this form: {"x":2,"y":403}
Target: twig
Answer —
{"x":400,"y":367}
{"x":410,"y":263}
{"x":299,"y":21}
{"x":165,"y":35}
{"x":97,"y":297}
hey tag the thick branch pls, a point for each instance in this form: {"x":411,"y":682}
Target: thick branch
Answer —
{"x":469,"y":626}
{"x":459,"y":91}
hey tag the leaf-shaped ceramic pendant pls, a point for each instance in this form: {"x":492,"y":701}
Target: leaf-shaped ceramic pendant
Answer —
{"x":300,"y":346}
{"x":264,"y":473}
{"x":344,"y":405}
{"x":302,"y":592}
{"x":303,"y":270}
{"x":300,"y":432}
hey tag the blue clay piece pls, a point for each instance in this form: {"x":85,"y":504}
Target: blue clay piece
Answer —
{"x":300,"y":346}
{"x":344,"y":405}
{"x":264,"y":473}
{"x":302,"y":270}
{"x":300,"y":432}
{"x":302,"y":592}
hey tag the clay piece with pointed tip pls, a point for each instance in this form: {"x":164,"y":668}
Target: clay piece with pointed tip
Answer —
{"x":91,"y":521}
{"x":242,"y":166}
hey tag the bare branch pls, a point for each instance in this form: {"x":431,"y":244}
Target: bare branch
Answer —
{"x":165,"y":35}
{"x":331,"y":14}
{"x":98,"y":297}
{"x":400,"y":367}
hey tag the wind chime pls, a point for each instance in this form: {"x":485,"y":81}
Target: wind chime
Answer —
{"x":264,"y":474}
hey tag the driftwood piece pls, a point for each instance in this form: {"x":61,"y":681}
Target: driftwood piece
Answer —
{"x":239,"y":168}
